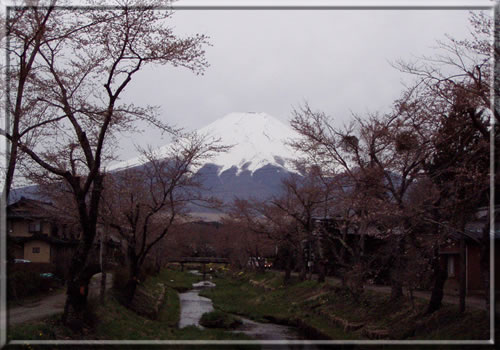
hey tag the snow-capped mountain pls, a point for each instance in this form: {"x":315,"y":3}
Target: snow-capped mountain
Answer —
{"x":258,"y":160}
{"x":257,"y":139}
{"x":256,"y":163}
{"x":253,"y":167}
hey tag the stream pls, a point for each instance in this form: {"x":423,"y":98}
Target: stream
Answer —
{"x":193,"y":306}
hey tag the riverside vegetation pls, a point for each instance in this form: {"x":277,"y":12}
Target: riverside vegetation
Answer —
{"x":325,"y":311}
{"x":320,"y":310}
{"x":113,"y":321}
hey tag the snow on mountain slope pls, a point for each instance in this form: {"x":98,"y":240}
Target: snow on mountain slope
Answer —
{"x":258,"y":139}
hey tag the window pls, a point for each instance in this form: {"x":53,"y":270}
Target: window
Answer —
{"x":35,"y":227}
{"x":451,"y":266}
{"x":36,"y":250}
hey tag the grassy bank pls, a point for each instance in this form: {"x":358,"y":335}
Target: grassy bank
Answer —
{"x":175,"y":279}
{"x":113,"y":321}
{"x":322,"y":311}
{"x":331,"y":311}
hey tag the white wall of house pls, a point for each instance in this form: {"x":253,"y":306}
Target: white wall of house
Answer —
{"x":37,"y":251}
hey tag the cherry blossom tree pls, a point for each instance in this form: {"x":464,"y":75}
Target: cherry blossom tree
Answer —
{"x":458,"y":80}
{"x":67,"y":69}
{"x":143,"y":203}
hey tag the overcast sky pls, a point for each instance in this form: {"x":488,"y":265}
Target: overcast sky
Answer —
{"x":274,"y":60}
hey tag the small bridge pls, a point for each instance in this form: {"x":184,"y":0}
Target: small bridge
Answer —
{"x":199,"y":260}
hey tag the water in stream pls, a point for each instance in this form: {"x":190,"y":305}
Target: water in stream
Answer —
{"x":193,"y":306}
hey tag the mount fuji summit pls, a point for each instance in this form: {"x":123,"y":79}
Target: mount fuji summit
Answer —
{"x":256,"y":163}
{"x":258,"y":160}
{"x":257,"y":140}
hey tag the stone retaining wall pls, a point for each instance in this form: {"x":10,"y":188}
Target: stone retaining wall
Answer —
{"x":146,"y":304}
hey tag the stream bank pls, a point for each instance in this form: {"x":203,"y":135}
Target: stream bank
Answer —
{"x":193,"y":306}
{"x":324,"y":311}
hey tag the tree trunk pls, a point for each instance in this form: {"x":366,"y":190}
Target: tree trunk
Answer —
{"x":440,"y":276}
{"x":133,"y":280}
{"x":343,"y":277}
{"x":302,"y":263}
{"x":286,"y":279}
{"x":288,"y":266}
{"x":130,"y":289}
{"x":485,"y":264}
{"x":412,"y":299}
{"x":12,"y":161}
{"x":321,"y":271}
{"x":76,"y":294}
{"x":78,"y":274}
{"x":396,"y":274}
{"x":76,"y":300}
{"x":321,"y":260}
{"x":396,"y":289}
{"x":396,"y":283}
{"x":102,"y":255}
{"x":462,"y":277}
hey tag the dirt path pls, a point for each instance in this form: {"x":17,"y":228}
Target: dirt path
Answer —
{"x":47,"y":306}
{"x":476,"y":302}
{"x":50,"y":305}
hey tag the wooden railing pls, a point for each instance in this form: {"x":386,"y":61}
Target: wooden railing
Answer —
{"x":203,"y":260}
{"x":199,"y":260}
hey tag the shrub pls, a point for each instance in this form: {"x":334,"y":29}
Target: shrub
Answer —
{"x":23,"y":283}
{"x":32,"y":267}
{"x":27,"y":280}
{"x":219,"y":319}
{"x":48,"y":283}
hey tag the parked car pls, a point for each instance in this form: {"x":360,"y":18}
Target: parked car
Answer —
{"x":21,"y":261}
{"x":49,"y":276}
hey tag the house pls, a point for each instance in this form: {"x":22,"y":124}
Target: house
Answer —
{"x":450,"y":255}
{"x":34,"y":233}
{"x":39,"y":233}
{"x":450,"y":251}
{"x":327,"y":242}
